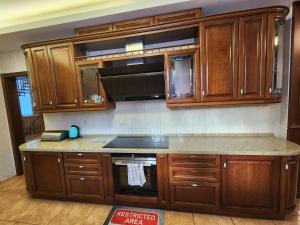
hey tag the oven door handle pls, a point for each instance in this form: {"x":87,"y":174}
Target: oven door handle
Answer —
{"x":124,"y":163}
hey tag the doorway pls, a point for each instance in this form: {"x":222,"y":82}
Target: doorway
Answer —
{"x":24,"y":123}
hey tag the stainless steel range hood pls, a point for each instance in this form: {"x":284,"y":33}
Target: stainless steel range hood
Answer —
{"x":134,"y":82}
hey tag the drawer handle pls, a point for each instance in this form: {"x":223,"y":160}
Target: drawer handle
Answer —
{"x":82,"y":178}
{"x":81,"y":167}
{"x":194,"y":185}
{"x":79,"y":154}
{"x":193,"y":156}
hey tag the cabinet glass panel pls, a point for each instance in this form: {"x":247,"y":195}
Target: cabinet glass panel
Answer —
{"x":90,"y":85}
{"x":182,"y":81}
{"x":278,"y":56}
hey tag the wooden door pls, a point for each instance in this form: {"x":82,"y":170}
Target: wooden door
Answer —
{"x":250,"y":184}
{"x":219,"y":59}
{"x":252,"y":56}
{"x":43,"y":80}
{"x":47,"y":172}
{"x":63,"y":70}
{"x":163,"y":180}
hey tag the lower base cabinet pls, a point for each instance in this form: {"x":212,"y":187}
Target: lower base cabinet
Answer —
{"x":188,"y":195}
{"x":251,"y":186}
{"x":85,"y":187}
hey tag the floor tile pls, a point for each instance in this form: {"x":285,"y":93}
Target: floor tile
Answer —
{"x":6,"y":223}
{"x":15,"y":184}
{"x":18,"y":207}
{"x":73,"y":213}
{"x":289,"y":220}
{"x":202,"y":219}
{"x":178,"y":218}
{"x":44,"y":212}
{"x":246,"y":221}
{"x":98,"y":215}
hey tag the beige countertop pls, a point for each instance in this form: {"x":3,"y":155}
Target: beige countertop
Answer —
{"x":189,"y":144}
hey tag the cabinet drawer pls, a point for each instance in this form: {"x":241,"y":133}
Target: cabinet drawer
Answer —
{"x":195,"y":195}
{"x":195,"y":174}
{"x":82,"y":158}
{"x":83,"y":169}
{"x":202,"y":161}
{"x":85,"y":187}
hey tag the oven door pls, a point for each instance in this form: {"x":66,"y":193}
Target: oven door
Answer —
{"x":120,"y":175}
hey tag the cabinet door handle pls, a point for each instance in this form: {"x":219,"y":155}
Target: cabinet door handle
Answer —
{"x":286,"y":166}
{"x":79,"y":154}
{"x":242,"y":91}
{"x":203,"y":93}
{"x":50,"y":102}
{"x":82,"y":178}
{"x":58,"y":160}
{"x":270,"y":90}
{"x":75,"y":100}
{"x":194,"y":185}
{"x":225,"y":164}
{"x":24,"y":158}
{"x":81,"y":167}
{"x":34,"y":104}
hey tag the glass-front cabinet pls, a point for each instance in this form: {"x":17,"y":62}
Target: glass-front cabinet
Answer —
{"x":91,"y":91}
{"x":275,"y":59}
{"x":182,"y":70}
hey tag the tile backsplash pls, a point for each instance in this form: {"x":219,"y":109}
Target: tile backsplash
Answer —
{"x":153,"y":117}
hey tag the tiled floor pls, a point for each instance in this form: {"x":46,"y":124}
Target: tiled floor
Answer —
{"x":18,"y":208}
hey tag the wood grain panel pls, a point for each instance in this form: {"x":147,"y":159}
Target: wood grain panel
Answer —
{"x":218,"y":42}
{"x":133,"y":24}
{"x":43,"y":78}
{"x":177,"y":16}
{"x":63,"y":71}
{"x":252,"y":56}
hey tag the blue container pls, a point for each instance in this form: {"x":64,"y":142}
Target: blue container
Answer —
{"x":74,"y":132}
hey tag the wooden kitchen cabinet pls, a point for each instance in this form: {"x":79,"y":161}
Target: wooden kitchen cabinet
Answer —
{"x":47,"y":174}
{"x":62,"y":64}
{"x":41,"y":78}
{"x":250,"y":184}
{"x":163,"y":180}
{"x":252,"y":56}
{"x":182,"y":76}
{"x":219,"y":59}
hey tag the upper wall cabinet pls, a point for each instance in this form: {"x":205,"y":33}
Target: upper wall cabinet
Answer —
{"x":275,"y":59}
{"x":218,"y":46}
{"x":226,"y":59}
{"x":182,"y":69}
{"x":252,"y":56}
{"x":62,"y":65}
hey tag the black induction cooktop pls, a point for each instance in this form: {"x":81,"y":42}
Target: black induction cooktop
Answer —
{"x":139,"y":142}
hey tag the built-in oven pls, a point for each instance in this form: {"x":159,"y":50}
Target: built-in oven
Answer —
{"x":120,"y":174}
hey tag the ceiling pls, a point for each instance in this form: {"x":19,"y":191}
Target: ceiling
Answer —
{"x":35,"y":20}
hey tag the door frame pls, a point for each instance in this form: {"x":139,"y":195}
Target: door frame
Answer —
{"x":14,"y":130}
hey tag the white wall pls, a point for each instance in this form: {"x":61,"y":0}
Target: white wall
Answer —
{"x":9,"y":62}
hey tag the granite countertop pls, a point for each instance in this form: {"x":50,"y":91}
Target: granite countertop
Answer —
{"x":179,"y":144}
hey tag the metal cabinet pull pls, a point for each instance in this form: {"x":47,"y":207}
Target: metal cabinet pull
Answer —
{"x":81,"y":167}
{"x":50,"y":102}
{"x":194,"y":185}
{"x":24,"y":158}
{"x":270,"y":90}
{"x":286,"y":166}
{"x":79,"y":154}
{"x":225,"y":164}
{"x":75,"y":100}
{"x":82,"y":178}
{"x":242,"y":91}
{"x":58,"y":160}
{"x":203,"y":93}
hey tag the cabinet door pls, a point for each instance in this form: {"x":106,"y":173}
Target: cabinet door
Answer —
{"x":43,"y":80}
{"x":250,"y":184}
{"x":194,"y":195}
{"x":108,"y":178}
{"x":182,"y":73}
{"x":85,"y":187}
{"x":252,"y":56}
{"x":63,"y":71}
{"x":163,"y":180}
{"x":218,"y":44}
{"x":91,"y":91}
{"x":27,"y":171}
{"x":289,"y":176}
{"x":47,"y":172}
